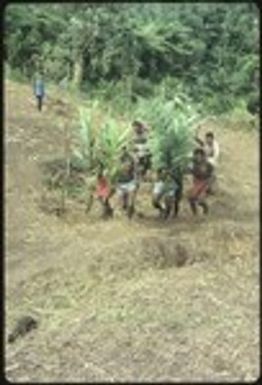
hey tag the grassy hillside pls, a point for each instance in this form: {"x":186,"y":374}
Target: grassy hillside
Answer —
{"x":111,"y":301}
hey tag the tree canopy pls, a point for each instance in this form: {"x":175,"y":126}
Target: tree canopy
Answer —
{"x":211,"y":51}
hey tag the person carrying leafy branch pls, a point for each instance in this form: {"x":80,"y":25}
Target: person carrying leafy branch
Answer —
{"x":211,"y":147}
{"x":158,"y":191}
{"x":126,"y":183}
{"x":103,"y":193}
{"x":165,"y":189}
{"x":177,"y":174}
{"x":202,"y":171}
{"x":212,"y":150}
{"x":141,"y":150}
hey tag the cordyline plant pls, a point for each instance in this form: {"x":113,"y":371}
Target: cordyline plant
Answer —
{"x":172,"y":123}
{"x":111,"y":139}
{"x":101,"y":142}
{"x":87,"y":134}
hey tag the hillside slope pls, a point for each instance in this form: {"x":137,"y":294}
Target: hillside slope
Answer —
{"x":110,"y":305}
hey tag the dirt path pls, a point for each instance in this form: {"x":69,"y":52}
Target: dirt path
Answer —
{"x":109,"y":307}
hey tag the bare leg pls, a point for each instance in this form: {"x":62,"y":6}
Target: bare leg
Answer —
{"x":131,"y":206}
{"x":39,"y":103}
{"x":178,"y":197}
{"x":108,"y":210}
{"x":125,"y":201}
{"x":103,"y":207}
{"x":168,"y":206}
{"x":211,"y":185}
{"x":122,"y":199}
{"x":176,"y":208}
{"x":89,"y":203}
{"x":157,"y":205}
{"x":193,"y":206}
{"x":205,"y":207}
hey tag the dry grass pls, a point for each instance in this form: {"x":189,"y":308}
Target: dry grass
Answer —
{"x":112,"y":302}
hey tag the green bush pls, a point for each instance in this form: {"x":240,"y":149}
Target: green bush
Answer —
{"x":17,"y":76}
{"x":142,"y":88}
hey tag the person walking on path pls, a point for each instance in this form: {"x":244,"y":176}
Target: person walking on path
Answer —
{"x":39,"y":91}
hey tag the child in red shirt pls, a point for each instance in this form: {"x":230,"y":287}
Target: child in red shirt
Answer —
{"x":103,"y":193}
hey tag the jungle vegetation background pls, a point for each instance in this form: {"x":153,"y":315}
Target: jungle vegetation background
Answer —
{"x":122,"y":51}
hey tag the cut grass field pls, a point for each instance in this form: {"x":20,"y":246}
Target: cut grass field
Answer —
{"x":111,"y":301}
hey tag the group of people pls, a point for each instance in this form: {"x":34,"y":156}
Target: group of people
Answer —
{"x":167,"y":191}
{"x":168,"y":184}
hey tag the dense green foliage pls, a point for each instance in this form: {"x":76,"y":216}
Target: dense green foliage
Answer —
{"x":172,"y":127}
{"x":171,"y":133}
{"x":101,"y":142}
{"x":209,"y":51}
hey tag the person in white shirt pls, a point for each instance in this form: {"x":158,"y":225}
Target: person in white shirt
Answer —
{"x":212,"y":150}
